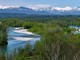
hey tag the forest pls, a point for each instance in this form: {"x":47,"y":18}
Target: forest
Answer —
{"x":57,"y":40}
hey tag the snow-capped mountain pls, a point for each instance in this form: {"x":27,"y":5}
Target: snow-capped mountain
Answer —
{"x":58,"y":10}
{"x":42,"y":10}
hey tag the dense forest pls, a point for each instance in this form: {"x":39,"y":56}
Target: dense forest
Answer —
{"x":57,"y":40}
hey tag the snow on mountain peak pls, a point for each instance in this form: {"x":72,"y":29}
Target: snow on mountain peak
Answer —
{"x":6,"y":7}
{"x":62,"y":9}
{"x":40,"y":7}
{"x":44,"y":7}
{"x":3,"y":7}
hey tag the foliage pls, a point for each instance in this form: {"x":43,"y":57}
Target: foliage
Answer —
{"x":57,"y":42}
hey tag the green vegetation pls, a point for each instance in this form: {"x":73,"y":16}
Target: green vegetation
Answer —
{"x":57,"y":42}
{"x":3,"y":34}
{"x":4,"y":24}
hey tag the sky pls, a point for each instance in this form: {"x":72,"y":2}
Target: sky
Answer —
{"x":56,"y":3}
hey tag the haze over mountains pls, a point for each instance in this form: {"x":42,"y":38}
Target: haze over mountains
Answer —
{"x":41,"y":10}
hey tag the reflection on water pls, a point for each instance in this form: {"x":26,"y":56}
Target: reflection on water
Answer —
{"x":18,"y":38}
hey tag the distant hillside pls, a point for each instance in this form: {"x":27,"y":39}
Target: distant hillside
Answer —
{"x":11,"y":15}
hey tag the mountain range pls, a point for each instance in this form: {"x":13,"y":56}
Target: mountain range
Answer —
{"x":41,"y":10}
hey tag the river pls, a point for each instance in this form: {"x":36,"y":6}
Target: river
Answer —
{"x":77,"y":31}
{"x":18,"y":38}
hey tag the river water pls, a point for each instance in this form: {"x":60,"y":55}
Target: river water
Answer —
{"x":18,"y":38}
{"x":77,"y":31}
